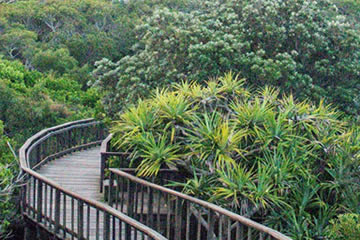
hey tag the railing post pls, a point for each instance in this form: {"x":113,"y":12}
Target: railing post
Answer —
{"x":39,"y":201}
{"x":104,"y":158}
{"x":57,"y":210}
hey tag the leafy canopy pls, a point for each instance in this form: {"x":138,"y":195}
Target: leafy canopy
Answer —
{"x":306,"y":47}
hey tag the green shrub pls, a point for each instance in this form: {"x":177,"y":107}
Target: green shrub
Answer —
{"x":31,"y":101}
{"x":291,"y":165}
{"x":8,"y":173}
{"x":345,"y":227}
{"x":305,"y":47}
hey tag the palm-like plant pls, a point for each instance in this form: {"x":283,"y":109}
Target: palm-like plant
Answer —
{"x":234,"y":189}
{"x":292,"y":165}
{"x":215,"y":140}
{"x":136,"y":120}
{"x":155,"y":154}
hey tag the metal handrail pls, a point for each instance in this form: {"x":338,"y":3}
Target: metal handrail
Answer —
{"x":36,"y":182}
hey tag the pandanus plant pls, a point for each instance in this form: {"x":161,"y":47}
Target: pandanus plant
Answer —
{"x":291,"y":165}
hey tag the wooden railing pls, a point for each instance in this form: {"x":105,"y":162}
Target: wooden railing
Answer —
{"x":180,"y":216}
{"x":170,"y":212}
{"x":46,"y":203}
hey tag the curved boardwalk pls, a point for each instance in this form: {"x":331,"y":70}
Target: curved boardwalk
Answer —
{"x":62,"y":167}
{"x":78,"y":172}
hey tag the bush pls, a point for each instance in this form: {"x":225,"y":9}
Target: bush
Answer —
{"x":305,"y":47}
{"x":8,"y":171}
{"x":291,"y":165}
{"x":345,"y":227}
{"x":31,"y":101}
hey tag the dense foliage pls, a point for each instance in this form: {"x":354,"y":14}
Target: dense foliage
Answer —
{"x":291,"y":165}
{"x":69,"y":36}
{"x":31,"y":101}
{"x":8,"y":171}
{"x":346,"y":227}
{"x":305,"y":47}
{"x":48,"y":50}
{"x":64,"y":36}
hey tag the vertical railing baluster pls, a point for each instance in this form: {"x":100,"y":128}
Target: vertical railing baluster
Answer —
{"x":168,"y":217}
{"x":127,"y":232}
{"x":103,"y":159}
{"x":249,"y":235}
{"x":199,"y":225}
{"x":129,"y":208}
{"x":39,"y":200}
{"x":72,"y":216}
{"x":150,"y":217}
{"x":97,"y":223}
{"x":57,"y":210}
{"x":64,"y":215}
{"x":27,"y":201}
{"x":34,"y":197}
{"x":158,"y":223}
{"x":88,"y":222}
{"x":117,"y":192}
{"x":238,"y":231}
{"x":110,"y":188}
{"x":80,"y":216}
{"x":221,"y":218}
{"x":123,"y":187}
{"x":113,"y":228}
{"x":68,"y":136}
{"x":51,"y":204}
{"x":261,"y":236}
{"x":130,"y":202}
{"x":211,"y":222}
{"x":120,"y":230}
{"x":178,"y":218}
{"x":142,"y":204}
{"x":46,"y":216}
{"x":229,"y":229}
{"x":106,"y":230}
{"x":188,"y":220}
{"x":135,"y":215}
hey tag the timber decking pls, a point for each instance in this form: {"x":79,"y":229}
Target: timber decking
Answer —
{"x":78,"y":172}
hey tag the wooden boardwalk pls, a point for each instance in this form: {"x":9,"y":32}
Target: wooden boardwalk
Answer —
{"x":79,"y":172}
{"x":62,"y":167}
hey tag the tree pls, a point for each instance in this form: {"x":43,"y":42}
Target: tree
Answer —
{"x":304,"y":47}
{"x":16,"y":41}
{"x":58,"y":61}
